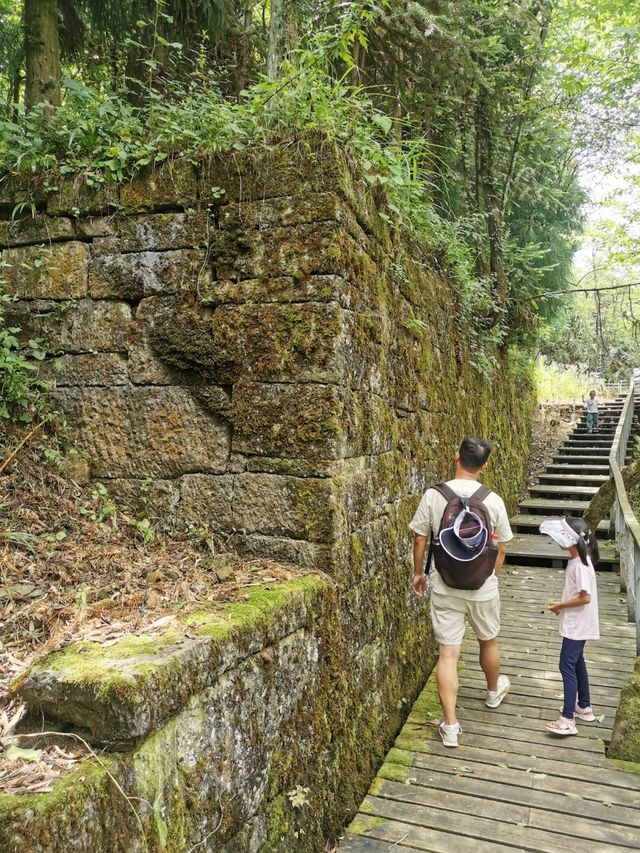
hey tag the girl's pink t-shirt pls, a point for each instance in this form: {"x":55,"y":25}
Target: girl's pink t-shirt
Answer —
{"x":580,"y":623}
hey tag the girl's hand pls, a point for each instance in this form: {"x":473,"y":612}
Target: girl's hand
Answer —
{"x":555,"y":607}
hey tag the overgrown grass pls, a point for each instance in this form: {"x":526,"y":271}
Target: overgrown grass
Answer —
{"x":556,"y":383}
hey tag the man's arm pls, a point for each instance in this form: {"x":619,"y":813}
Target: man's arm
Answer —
{"x":502,"y":553}
{"x":419,"y":577}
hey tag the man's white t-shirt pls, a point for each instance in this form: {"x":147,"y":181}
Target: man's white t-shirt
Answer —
{"x":592,"y":404}
{"x":580,"y":623}
{"x":427,"y":520}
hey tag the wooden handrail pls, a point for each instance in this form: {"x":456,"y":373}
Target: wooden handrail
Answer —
{"x":626,"y":524}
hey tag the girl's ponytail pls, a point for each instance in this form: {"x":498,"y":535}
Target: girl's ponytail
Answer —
{"x":587,"y":544}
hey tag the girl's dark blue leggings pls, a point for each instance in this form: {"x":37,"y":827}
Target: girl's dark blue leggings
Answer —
{"x":574,"y":676}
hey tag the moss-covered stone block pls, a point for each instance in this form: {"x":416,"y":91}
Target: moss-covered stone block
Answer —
{"x":313,"y":288}
{"x":625,"y":739}
{"x":72,"y":196}
{"x":87,"y":369}
{"x":281,"y":172}
{"x":147,"y":232}
{"x":56,"y":271}
{"x":136,"y":275}
{"x":149,"y":431}
{"x":289,"y":507}
{"x":285,"y":420}
{"x":38,"y":229}
{"x":169,"y":186}
{"x":272,"y":342}
{"x":87,"y":325}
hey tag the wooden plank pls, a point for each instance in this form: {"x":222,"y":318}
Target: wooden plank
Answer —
{"x":393,"y":833}
{"x":562,"y":491}
{"x":472,"y":826}
{"x":624,"y":802}
{"x":520,"y":806}
{"x":551,"y":750}
{"x":554,"y":506}
{"x":529,"y":734}
{"x":364,"y":844}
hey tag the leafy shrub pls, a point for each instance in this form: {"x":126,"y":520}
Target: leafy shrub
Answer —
{"x":22,"y":390}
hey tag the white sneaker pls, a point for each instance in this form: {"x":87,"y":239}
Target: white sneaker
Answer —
{"x":562,"y":727}
{"x":495,"y":697}
{"x":449,"y":734}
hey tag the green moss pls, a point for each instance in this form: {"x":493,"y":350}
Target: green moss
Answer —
{"x":627,"y":766}
{"x":412,"y":744}
{"x":393,"y":772}
{"x":363,"y":824}
{"x":261,"y":607}
{"x":625,"y":739}
{"x":398,"y":756}
{"x":427,"y":706}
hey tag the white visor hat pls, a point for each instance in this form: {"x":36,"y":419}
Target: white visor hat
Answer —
{"x":466,"y":538}
{"x":560,"y":532}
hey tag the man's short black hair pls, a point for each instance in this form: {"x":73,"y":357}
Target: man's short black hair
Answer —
{"x":474,"y":452}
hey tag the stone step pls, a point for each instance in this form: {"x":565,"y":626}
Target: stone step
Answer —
{"x":561,"y":491}
{"x":526,"y":523}
{"x":552,"y":507}
{"x":530,"y":547}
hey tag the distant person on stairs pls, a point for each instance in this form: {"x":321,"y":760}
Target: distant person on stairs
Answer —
{"x":592,"y":411}
{"x":468,"y":527}
{"x":578,"y":612}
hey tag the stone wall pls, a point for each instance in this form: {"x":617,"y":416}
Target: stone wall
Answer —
{"x":251,"y":340}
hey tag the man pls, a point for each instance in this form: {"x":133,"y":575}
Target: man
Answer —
{"x":449,"y":605}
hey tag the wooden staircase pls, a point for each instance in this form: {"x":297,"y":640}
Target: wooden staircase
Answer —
{"x":575,"y":474}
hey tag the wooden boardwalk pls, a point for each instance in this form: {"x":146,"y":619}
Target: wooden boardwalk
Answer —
{"x":511,"y":784}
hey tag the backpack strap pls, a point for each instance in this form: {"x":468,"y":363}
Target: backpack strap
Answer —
{"x":446,"y":491}
{"x":481,"y":494}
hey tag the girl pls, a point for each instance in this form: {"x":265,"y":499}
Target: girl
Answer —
{"x":578,"y":613}
{"x":592,"y":412}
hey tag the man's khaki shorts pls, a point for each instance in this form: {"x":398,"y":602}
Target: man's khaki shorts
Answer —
{"x":448,"y":612}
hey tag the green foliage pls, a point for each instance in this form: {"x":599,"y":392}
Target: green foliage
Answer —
{"x":22,"y":391}
{"x":453,"y":126}
{"x":564,"y":383}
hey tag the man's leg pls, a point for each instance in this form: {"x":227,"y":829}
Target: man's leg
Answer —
{"x":447,"y":681}
{"x":490,"y":662}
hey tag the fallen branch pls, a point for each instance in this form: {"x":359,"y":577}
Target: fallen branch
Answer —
{"x":21,"y":444}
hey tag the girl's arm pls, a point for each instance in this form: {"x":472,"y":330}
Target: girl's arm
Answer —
{"x":578,"y":600}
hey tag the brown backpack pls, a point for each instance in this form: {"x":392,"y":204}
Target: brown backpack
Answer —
{"x":470,"y":574}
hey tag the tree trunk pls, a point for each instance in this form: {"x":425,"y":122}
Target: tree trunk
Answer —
{"x":601,"y":503}
{"x":283,"y":32}
{"x":42,"y":53}
{"x":490,"y":198}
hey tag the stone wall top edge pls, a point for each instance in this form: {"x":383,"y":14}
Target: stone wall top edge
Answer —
{"x":255,"y":173}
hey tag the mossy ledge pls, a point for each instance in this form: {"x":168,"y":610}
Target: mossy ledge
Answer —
{"x":125,"y":691}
